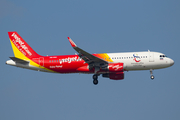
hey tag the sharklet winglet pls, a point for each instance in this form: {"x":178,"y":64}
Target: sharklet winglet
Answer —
{"x":71,"y":42}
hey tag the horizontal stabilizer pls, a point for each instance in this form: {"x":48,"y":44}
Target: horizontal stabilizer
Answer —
{"x":17,"y":60}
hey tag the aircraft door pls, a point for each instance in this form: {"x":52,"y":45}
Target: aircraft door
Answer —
{"x":151,"y":57}
{"x":41,"y":61}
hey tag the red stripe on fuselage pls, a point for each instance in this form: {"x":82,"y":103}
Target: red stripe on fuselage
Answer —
{"x":63,"y":64}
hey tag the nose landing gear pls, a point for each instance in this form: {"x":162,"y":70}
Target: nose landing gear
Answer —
{"x":151,"y":72}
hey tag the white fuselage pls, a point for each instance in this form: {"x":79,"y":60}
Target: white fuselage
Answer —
{"x":141,"y":60}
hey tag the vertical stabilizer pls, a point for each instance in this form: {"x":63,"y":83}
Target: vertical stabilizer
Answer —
{"x":20,"y":48}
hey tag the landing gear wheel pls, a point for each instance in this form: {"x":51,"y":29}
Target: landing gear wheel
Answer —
{"x":152,"y":77}
{"x":95,"y":81}
{"x":95,"y":77}
{"x":151,"y":72}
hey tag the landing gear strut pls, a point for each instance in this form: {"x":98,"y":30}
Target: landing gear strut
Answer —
{"x":95,"y":77}
{"x":151,"y":72}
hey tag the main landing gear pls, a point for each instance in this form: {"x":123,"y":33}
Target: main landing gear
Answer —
{"x":151,"y":72}
{"x":95,"y":79}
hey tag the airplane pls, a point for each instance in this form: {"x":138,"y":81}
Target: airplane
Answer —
{"x":110,"y":65}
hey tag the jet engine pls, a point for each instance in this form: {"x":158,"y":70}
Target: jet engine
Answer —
{"x":113,"y":67}
{"x":116,"y":71}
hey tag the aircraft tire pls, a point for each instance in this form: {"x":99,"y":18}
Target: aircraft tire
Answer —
{"x":95,"y":77}
{"x":152,"y":77}
{"x":95,"y":81}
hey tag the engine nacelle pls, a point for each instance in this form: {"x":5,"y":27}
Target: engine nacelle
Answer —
{"x":115,"y":67}
{"x":110,"y":68}
{"x":114,"y":76}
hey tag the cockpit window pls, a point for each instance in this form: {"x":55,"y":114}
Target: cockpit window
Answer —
{"x":163,"y":56}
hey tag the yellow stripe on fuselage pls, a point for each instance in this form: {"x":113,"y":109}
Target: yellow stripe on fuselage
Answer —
{"x":106,"y":57}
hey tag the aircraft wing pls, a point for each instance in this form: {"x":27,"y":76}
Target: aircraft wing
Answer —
{"x":87,"y":57}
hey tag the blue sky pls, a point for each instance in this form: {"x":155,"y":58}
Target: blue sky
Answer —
{"x":96,"y":26}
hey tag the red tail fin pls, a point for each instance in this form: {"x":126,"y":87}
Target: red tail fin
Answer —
{"x":20,"y":47}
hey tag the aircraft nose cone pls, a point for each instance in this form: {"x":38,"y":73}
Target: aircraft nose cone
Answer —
{"x":171,"y":62}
